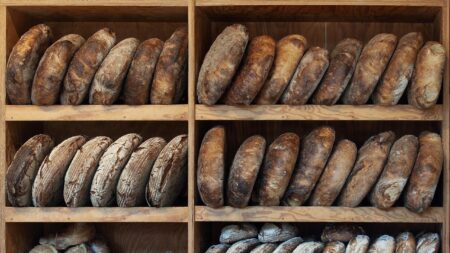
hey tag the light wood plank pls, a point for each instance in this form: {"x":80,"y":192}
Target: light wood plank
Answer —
{"x":94,"y":3}
{"x":2,"y":127}
{"x":321,"y":2}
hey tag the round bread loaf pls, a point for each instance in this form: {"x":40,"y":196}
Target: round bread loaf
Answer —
{"x":358,"y":244}
{"x":309,"y":247}
{"x":340,"y":232}
{"x":271,"y":232}
{"x":98,"y":246}
{"x":383,"y":244}
{"x":405,"y":243}
{"x":237,"y":232}
{"x":244,"y":246}
{"x":428,"y":243}
{"x":218,"y":248}
{"x":289,"y":245}
{"x":334,"y":247}
{"x":44,"y":248}
{"x":264,"y":248}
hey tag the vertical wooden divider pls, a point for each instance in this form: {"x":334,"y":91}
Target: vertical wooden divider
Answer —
{"x":446,"y":128}
{"x":2,"y":127}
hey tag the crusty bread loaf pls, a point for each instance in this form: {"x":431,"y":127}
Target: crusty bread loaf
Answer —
{"x":136,"y":90}
{"x":396,"y":172}
{"x":289,"y":245}
{"x":428,"y":243}
{"x":426,"y":172}
{"x":399,"y":71}
{"x":244,"y":246}
{"x":334,"y":247}
{"x":264,"y":248}
{"x":383,"y":244}
{"x":315,"y":150}
{"x":359,"y":244}
{"x":211,"y":167}
{"x":23,"y":61}
{"x":44,"y":248}
{"x":277,"y":232}
{"x":48,"y":185}
{"x":72,"y":234}
{"x":289,"y":51}
{"x":98,"y":246}
{"x":237,"y":232}
{"x":371,"y":159}
{"x":23,"y":168}
{"x":218,"y":248}
{"x":220,"y":63}
{"x":78,"y":179}
{"x":84,"y":65}
{"x":309,"y":247}
{"x":340,"y":232}
{"x":371,"y":65}
{"x":80,"y":248}
{"x":307,"y":77}
{"x":342,"y":65}
{"x":428,"y":73}
{"x":405,"y":243}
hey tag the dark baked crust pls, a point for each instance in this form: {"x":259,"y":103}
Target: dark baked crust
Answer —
{"x":343,"y":233}
{"x":405,"y":243}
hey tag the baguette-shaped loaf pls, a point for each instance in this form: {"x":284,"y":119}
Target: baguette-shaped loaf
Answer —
{"x":218,"y":248}
{"x":220,"y":63}
{"x":211,"y":167}
{"x":103,"y":188}
{"x":277,"y":232}
{"x":169,"y":173}
{"x":396,"y":172}
{"x":23,"y":61}
{"x":44,"y":248}
{"x":289,"y":245}
{"x":428,"y":243}
{"x":244,"y":246}
{"x":134,"y":177}
{"x":48,"y":185}
{"x":399,"y":71}
{"x":237,"y":232}
{"x":383,"y":244}
{"x":426,"y":172}
{"x":72,"y":234}
{"x":78,"y":179}
{"x":343,"y":233}
{"x":264,"y":248}
{"x":405,"y":243}
{"x":309,"y":247}
{"x":315,"y":150}
{"x":334,"y":247}
{"x":359,"y":244}
{"x":371,"y":65}
{"x":84,"y":65}
{"x":369,"y":164}
{"x":23,"y":168}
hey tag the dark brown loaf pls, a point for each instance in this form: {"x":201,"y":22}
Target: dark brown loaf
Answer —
{"x":399,"y":70}
{"x":309,"y":247}
{"x":289,"y":245}
{"x":52,"y":68}
{"x":316,"y":148}
{"x":23,"y":61}
{"x":343,"y":233}
{"x":371,"y":65}
{"x":170,"y":79}
{"x":218,"y":248}
{"x":396,"y":172}
{"x":307,"y":77}
{"x":369,"y":164}
{"x":383,"y":244}
{"x":244,"y":170}
{"x":278,"y":166}
{"x":244,"y":246}
{"x":140,"y":75}
{"x":277,"y":232}
{"x":253,"y":72}
{"x":108,"y":80}
{"x":342,"y":65}
{"x":405,"y":243}
{"x":359,"y":244}
{"x":220,"y":63}
{"x":237,"y":232}
{"x":334,"y":247}
{"x":84,"y":65}
{"x":23,"y":168}
{"x":427,"y":78}
{"x":428,"y":243}
{"x":289,"y":51}
{"x":48,"y":185}
{"x":211,"y":167}
{"x":134,"y":177}
{"x":77,"y":181}
{"x":264,"y":248}
{"x":425,"y":174}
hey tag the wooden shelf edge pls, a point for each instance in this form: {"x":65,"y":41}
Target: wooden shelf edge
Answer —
{"x":317,"y":214}
{"x":318,"y":112}
{"x":166,"y":3}
{"x":96,"y":214}
{"x":437,"y":3}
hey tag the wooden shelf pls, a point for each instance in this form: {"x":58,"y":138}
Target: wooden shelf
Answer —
{"x":321,"y":2}
{"x":317,"y":214}
{"x":317,"y":112}
{"x":96,"y":3}
{"x":93,"y":214}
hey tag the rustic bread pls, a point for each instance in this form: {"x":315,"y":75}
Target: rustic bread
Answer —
{"x":80,"y":248}
{"x":23,"y":61}
{"x":220,"y":63}
{"x":98,"y":246}
{"x":405,"y":243}
{"x":383,"y":244}
{"x":428,"y":243}
{"x":84,"y":65}
{"x":44,"y":248}
{"x":289,"y":245}
{"x":48,"y":185}
{"x":264,"y":248}
{"x":334,"y":247}
{"x":359,"y":244}
{"x":237,"y":232}
{"x":341,"y":232}
{"x":309,"y":247}
{"x":73,"y":234}
{"x":279,"y":232}
{"x":244,"y":246}
{"x":78,"y":179}
{"x":218,"y":248}
{"x":103,"y":187}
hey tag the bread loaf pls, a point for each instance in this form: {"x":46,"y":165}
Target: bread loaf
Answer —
{"x":289,"y":51}
{"x":335,"y":173}
{"x":211,"y":167}
{"x":244,"y":246}
{"x":383,"y":244}
{"x":23,"y":61}
{"x":316,"y":148}
{"x":170,"y":79}
{"x":405,"y":243}
{"x":371,"y":65}
{"x":307,"y":77}
{"x":220,"y":63}
{"x":428,"y":243}
{"x":396,"y":172}
{"x":371,"y":159}
{"x":134,"y":177}
{"x":334,"y":247}
{"x":98,"y":246}
{"x":48,"y":185}
{"x":342,"y":65}
{"x":218,"y":248}
{"x":271,"y":232}
{"x":80,"y":248}
{"x":73,"y":234}
{"x":136,"y":90}
{"x":309,"y":247}
{"x":253,"y":72}
{"x":244,"y":171}
{"x":427,"y":77}
{"x":425,"y":174}
{"x":237,"y":232}
{"x":78,"y":179}
{"x":359,"y":244}
{"x":23,"y":168}
{"x":169,"y":173}
{"x":289,"y":245}
{"x":343,"y":233}
{"x":399,"y":71}
{"x":44,"y":248}
{"x":264,"y":248}
{"x":84,"y":65}
{"x":103,"y":188}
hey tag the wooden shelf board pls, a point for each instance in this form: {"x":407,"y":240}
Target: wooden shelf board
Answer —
{"x":317,"y":214}
{"x":317,"y":112}
{"x":95,"y":214}
{"x":321,"y":2}
{"x":96,"y":113}
{"x":95,"y":3}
